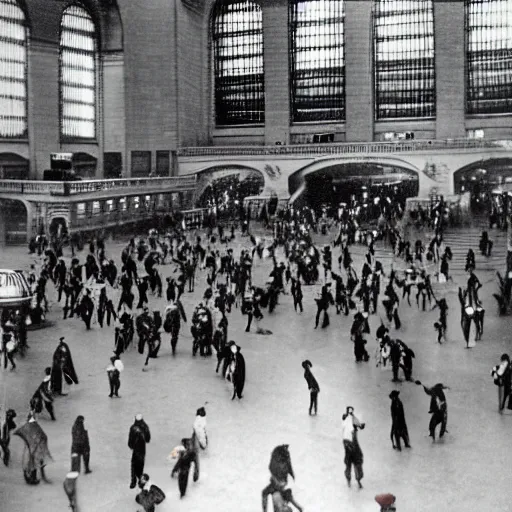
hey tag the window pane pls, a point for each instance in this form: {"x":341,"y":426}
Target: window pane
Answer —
{"x":489,"y":56}
{"x":317,"y":43}
{"x":404,"y":58}
{"x":78,"y":74}
{"x":237,"y":37}
{"x":13,"y":70}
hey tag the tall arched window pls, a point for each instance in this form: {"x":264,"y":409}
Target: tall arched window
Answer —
{"x":237,"y":39}
{"x":77,"y":74}
{"x":317,"y":58}
{"x":404,"y":65}
{"x":13,"y":70}
{"x":489,"y":56}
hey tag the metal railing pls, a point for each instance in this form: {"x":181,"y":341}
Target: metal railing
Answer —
{"x":70,"y":188}
{"x":342,"y":148}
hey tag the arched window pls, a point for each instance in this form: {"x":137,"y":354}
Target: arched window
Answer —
{"x":317,"y":58}
{"x":237,"y":39}
{"x":489,"y":56}
{"x":13,"y":70}
{"x":404,"y":66}
{"x":77,"y":74}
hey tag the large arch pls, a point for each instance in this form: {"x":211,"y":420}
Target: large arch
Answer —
{"x":333,"y":181}
{"x":222,"y":185}
{"x":14,"y":214}
{"x":45,"y":20}
{"x":480,"y":178}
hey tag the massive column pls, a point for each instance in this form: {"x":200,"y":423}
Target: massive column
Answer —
{"x":358,"y":71}
{"x":450,"y":71}
{"x":277,"y":68}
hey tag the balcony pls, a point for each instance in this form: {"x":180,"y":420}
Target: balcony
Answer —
{"x":344,"y":148}
{"x":93,"y":187}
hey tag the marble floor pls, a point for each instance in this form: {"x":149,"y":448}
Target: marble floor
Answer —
{"x":469,"y":469}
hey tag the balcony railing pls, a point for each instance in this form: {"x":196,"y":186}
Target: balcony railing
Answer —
{"x":341,"y":148}
{"x":71,"y":188}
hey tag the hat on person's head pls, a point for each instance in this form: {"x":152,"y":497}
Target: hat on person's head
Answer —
{"x":307,"y":363}
{"x":385,"y":500}
{"x":138,"y":417}
{"x":201,"y":411}
{"x":62,"y":338}
{"x":394,"y":394}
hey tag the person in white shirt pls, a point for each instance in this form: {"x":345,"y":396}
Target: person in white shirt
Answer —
{"x":353,"y":453}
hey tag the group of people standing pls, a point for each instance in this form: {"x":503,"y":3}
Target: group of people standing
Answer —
{"x":231,"y":284}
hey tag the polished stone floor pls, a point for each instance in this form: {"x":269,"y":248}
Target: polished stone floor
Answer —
{"x":469,"y":470}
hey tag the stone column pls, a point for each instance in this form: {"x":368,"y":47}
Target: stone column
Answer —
{"x":43,"y":105}
{"x":358,"y":71}
{"x":450,"y":69}
{"x":114,"y":105}
{"x":277,"y":68}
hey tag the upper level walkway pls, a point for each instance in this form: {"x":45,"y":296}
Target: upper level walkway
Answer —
{"x":285,"y":167}
{"x":73,"y":191}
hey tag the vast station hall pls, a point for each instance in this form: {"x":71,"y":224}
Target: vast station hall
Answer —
{"x":255,"y":255}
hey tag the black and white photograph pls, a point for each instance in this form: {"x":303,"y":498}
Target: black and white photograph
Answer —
{"x":255,"y":255}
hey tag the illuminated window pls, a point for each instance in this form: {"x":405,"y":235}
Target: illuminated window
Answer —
{"x":13,"y":70}
{"x":404,"y":58}
{"x":237,"y":39}
{"x":77,"y":74}
{"x":317,"y":41}
{"x":489,"y":56}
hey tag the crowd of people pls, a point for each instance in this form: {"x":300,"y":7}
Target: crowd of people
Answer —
{"x":97,"y":291}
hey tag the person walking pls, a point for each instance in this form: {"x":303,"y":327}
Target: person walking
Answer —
{"x":114,"y":376}
{"x":313,"y":386}
{"x":438,"y":408}
{"x":502,"y":375}
{"x":44,"y":395}
{"x":138,"y":438}
{"x":353,"y":453}
{"x":398,"y":425}
{"x":80,"y":447}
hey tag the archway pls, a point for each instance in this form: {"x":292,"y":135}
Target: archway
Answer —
{"x":366,"y":184}
{"x":15,"y":218}
{"x":226,"y":188}
{"x":480,"y":178}
{"x":58,"y":227}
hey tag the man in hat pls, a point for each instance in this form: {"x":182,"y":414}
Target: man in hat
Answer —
{"x":313,"y":386}
{"x":62,"y":367}
{"x":138,"y":437}
{"x":398,"y":425}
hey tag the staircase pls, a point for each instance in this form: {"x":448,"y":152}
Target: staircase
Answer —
{"x":461,"y":239}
